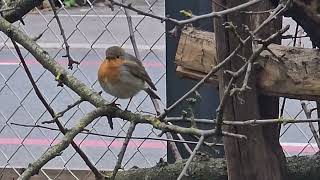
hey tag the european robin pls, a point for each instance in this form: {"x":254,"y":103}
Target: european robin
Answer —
{"x":122,"y":75}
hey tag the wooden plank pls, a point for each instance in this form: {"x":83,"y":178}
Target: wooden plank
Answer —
{"x":196,"y":50}
{"x":195,"y":75}
{"x":296,"y":75}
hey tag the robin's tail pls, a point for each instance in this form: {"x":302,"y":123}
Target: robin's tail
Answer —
{"x":151,"y":93}
{"x":153,"y":97}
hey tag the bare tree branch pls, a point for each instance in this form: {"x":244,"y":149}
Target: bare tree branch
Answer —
{"x":60,"y":114}
{"x":136,"y":52}
{"x":87,"y":94}
{"x":265,"y":43}
{"x":19,"y":9}
{"x":255,"y":122}
{"x":111,"y":136}
{"x":173,"y":147}
{"x":123,"y":150}
{"x":184,"y":170}
{"x":57,"y":149}
{"x":52,"y":113}
{"x":71,"y":61}
{"x":312,"y":128}
{"x":194,"y":17}
{"x":252,"y":122}
{"x":278,"y":10}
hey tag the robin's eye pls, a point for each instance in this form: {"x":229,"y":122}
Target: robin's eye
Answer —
{"x":118,"y":56}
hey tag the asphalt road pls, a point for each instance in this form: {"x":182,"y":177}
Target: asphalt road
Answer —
{"x":88,"y":38}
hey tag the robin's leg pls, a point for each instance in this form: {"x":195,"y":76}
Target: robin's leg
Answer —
{"x":113,"y":103}
{"x":128,"y":104}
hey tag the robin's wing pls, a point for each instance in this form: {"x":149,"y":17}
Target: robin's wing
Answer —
{"x":133,"y":58}
{"x":137,"y":69}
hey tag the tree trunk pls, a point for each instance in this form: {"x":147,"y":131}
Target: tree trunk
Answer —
{"x":251,"y":159}
{"x":299,"y":168}
{"x":269,"y":105}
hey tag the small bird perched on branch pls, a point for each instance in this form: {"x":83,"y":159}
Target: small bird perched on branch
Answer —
{"x":122,"y":75}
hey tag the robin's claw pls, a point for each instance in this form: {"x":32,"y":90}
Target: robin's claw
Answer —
{"x":113,"y":103}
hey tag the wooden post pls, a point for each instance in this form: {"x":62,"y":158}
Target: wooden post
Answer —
{"x":252,"y":159}
{"x":268,"y":105}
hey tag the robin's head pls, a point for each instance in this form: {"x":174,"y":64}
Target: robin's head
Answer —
{"x":114,"y":52}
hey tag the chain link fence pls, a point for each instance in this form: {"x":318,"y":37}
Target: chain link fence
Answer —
{"x":297,"y":139}
{"x":90,"y":30}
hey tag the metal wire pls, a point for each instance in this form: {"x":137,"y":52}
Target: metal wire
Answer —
{"x":16,"y":94}
{"x":90,"y":55}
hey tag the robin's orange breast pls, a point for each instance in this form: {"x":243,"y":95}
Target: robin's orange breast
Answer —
{"x":109,"y":71}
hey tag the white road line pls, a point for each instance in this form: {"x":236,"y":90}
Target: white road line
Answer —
{"x":88,"y":46}
{"x":8,"y":63}
{"x":94,"y":15}
{"x":298,"y":144}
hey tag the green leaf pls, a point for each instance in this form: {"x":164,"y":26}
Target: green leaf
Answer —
{"x":70,"y":3}
{"x":187,"y":13}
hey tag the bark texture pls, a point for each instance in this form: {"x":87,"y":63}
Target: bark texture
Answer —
{"x":299,"y":168}
{"x":252,"y":159}
{"x":20,"y":8}
{"x":289,"y":72}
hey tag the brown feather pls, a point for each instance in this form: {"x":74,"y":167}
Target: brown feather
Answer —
{"x":109,"y":71}
{"x":140,"y":72}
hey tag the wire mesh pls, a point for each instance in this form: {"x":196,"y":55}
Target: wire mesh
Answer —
{"x":297,"y":139}
{"x":89,"y":31}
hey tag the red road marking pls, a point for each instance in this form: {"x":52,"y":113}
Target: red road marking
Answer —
{"x":300,"y":147}
{"x":148,"y":144}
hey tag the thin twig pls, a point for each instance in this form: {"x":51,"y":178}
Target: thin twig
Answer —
{"x":185,"y":168}
{"x":254,"y":56}
{"x":278,"y":10}
{"x":257,"y":12}
{"x":312,"y":128}
{"x":293,"y":37}
{"x":56,"y":150}
{"x":248,"y":67}
{"x":6,"y":9}
{"x":110,"y":136}
{"x":131,"y":34}
{"x":282,"y":106}
{"x":173,"y":147}
{"x":60,"y":114}
{"x":71,"y":61}
{"x":219,"y":111}
{"x":86,"y":120}
{"x":185,"y":119}
{"x":136,"y":52}
{"x":187,"y":21}
{"x":52,"y":113}
{"x":318,"y":115}
{"x":248,"y":122}
{"x":255,"y":122}
{"x":123,"y":150}
{"x":186,"y":146}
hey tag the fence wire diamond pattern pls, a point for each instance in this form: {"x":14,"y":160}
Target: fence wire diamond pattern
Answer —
{"x":89,"y":30}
